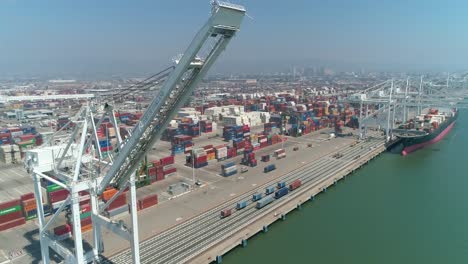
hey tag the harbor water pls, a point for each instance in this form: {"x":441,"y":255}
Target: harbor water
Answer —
{"x":396,"y":209}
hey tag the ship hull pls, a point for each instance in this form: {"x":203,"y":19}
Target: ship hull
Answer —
{"x":413,"y":144}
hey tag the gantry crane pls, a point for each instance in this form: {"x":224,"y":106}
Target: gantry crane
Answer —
{"x":81,"y":168}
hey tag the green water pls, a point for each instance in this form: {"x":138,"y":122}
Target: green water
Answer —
{"x":397,"y":209}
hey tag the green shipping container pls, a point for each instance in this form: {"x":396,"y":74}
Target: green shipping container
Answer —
{"x":10,"y":210}
{"x":85,"y":215}
{"x":53,"y":187}
{"x":31,"y":217}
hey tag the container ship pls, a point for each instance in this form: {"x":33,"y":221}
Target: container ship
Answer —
{"x":426,"y":129}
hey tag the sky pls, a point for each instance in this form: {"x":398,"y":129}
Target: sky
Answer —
{"x":137,"y":37}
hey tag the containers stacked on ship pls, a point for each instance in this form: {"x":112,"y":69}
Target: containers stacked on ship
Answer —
{"x":281,"y":192}
{"x":11,"y":215}
{"x":221,"y":152}
{"x":28,"y":203}
{"x":228,"y":169}
{"x":265,"y":201}
{"x":147,"y":201}
{"x":268,"y":168}
{"x":168,"y":166}
{"x":279,"y":153}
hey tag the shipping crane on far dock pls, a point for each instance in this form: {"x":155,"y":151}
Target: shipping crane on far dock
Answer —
{"x":81,"y":168}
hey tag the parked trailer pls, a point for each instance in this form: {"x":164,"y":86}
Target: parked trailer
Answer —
{"x":270,"y":190}
{"x":256,"y":197}
{"x":241,"y":205}
{"x":226,"y":213}
{"x":281,"y":185}
{"x":295,"y":184}
{"x":269,"y":168}
{"x":281,"y":192}
{"x":263,"y":202}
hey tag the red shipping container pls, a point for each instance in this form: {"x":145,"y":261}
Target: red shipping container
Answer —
{"x":27,"y":196}
{"x":10,"y":204}
{"x":58,"y":195}
{"x":10,"y":217}
{"x":160,"y":176}
{"x":118,"y":202}
{"x":170,"y":171}
{"x":167,"y":160}
{"x":26,"y":137}
{"x":63,"y":229}
{"x":11,"y":224}
{"x":152,"y":171}
{"x":156,"y":163}
{"x":201,"y":159}
{"x":295,"y":184}
{"x":208,"y":147}
{"x":147,"y":201}
{"x":85,"y":208}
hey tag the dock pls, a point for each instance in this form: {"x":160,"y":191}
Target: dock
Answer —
{"x":206,"y":237}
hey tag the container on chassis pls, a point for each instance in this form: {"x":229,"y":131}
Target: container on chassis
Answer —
{"x":295,"y":184}
{"x":281,"y":192}
{"x":226,"y":213}
{"x":241,"y":205}
{"x":256,"y":197}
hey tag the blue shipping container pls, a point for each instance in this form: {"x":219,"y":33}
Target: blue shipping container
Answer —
{"x":241,"y":205}
{"x":256,"y":197}
{"x":281,"y":185}
{"x":270,"y":190}
{"x":269,"y":168}
{"x":227,"y":165}
{"x":230,"y":173}
{"x":281,"y":192}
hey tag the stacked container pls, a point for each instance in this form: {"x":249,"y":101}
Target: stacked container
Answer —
{"x":11,"y":215}
{"x":263,"y":140}
{"x":206,"y":126}
{"x":63,"y":232}
{"x":249,"y":159}
{"x":280,"y":153}
{"x":168,"y":168}
{"x":28,"y":202}
{"x":200,"y":158}
{"x":221,"y":152}
{"x":229,"y":169}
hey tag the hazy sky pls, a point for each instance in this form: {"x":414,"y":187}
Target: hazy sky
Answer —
{"x":89,"y":36}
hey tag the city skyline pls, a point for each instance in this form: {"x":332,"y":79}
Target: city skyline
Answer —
{"x":125,"y":37}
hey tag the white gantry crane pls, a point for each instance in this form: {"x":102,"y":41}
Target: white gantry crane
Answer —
{"x":79,"y":166}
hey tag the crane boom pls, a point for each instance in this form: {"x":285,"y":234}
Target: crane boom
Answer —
{"x":190,"y":69}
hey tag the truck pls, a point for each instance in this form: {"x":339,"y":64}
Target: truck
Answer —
{"x":280,"y":185}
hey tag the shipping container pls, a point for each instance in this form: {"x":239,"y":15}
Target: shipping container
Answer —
{"x":226,"y":213}
{"x":295,"y":184}
{"x":270,"y":190}
{"x":11,"y":224}
{"x":281,"y":185}
{"x":263,"y":202}
{"x":256,"y":196}
{"x":269,"y":168}
{"x":241,"y":205}
{"x":281,"y":192}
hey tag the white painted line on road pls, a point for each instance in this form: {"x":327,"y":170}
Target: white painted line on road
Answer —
{"x":22,"y":175}
{"x":232,"y":194}
{"x":254,"y":184}
{"x":179,"y":219}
